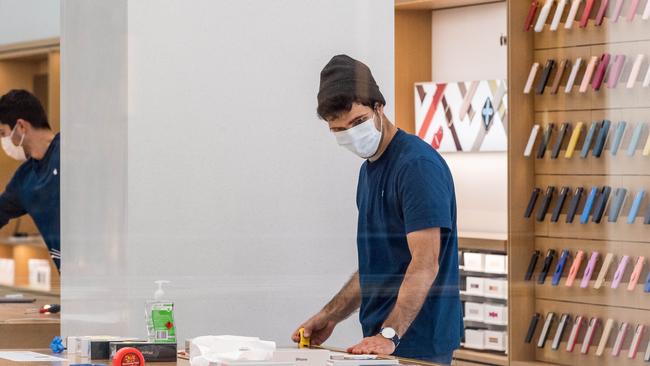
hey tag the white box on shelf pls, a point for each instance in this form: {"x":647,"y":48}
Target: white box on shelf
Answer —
{"x":495,"y":314}
{"x":474,"y":338}
{"x":496,"y":263}
{"x":474,"y":262}
{"x":474,"y":311}
{"x":495,"y":340}
{"x":496,"y":288}
{"x":39,"y":274}
{"x":475,"y":286}
{"x":7,"y":272}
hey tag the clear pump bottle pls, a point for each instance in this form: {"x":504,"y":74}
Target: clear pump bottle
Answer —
{"x":159,"y":315}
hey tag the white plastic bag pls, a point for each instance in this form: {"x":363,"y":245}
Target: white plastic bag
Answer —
{"x":207,"y":349}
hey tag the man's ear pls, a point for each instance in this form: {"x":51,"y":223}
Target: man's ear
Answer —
{"x":23,"y":125}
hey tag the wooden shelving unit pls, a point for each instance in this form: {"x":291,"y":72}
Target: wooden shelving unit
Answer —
{"x":616,"y":104}
{"x":483,"y":241}
{"x":413,"y":63}
{"x":484,"y":357}
{"x":438,"y":4}
{"x":33,"y":66}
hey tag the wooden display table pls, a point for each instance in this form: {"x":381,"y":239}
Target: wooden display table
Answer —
{"x":19,"y":330}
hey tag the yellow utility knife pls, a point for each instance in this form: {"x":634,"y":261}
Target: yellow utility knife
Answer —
{"x":304,"y":341}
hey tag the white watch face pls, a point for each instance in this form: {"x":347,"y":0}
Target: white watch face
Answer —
{"x":388,"y":333}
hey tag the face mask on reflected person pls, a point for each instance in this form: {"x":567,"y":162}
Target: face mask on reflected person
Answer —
{"x":363,"y":139}
{"x":13,"y":151}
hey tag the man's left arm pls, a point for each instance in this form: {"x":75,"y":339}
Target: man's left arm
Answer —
{"x":418,"y":279}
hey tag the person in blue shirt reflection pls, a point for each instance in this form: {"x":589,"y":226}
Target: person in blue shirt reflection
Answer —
{"x":406,"y":287}
{"x":26,"y":136}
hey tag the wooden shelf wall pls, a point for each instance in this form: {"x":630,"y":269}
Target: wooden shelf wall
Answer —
{"x":631,"y":172}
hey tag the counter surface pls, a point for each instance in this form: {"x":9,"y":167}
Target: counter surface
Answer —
{"x":74,"y":359}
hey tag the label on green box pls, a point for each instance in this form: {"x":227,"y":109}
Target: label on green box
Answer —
{"x":163,"y":323}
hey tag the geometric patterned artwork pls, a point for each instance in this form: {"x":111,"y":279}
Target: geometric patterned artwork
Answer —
{"x":463,"y":116}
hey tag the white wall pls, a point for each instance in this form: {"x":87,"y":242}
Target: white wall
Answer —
{"x":235,"y":190}
{"x":28,"y":20}
{"x":466,"y":47}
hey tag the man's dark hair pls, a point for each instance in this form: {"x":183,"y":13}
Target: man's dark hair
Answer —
{"x":333,"y":107}
{"x":21,"y":104}
{"x":345,"y":81}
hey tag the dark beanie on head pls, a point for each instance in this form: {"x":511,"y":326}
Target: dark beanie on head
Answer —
{"x":346,"y":77}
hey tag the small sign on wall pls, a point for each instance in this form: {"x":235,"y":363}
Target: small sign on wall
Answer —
{"x":463,"y":116}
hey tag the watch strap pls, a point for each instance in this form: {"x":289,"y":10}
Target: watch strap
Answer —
{"x":586,"y":146}
{"x":559,"y":269}
{"x":634,"y":141}
{"x":618,"y":137}
{"x":599,"y":146}
{"x":589,"y":204}
{"x":573,"y":141}
{"x":636,"y":204}
{"x":617,"y":204}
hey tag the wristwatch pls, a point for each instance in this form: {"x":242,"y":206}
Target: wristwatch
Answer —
{"x":390,"y":333}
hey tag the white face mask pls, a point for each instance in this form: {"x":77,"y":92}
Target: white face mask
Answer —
{"x":363,"y":139}
{"x":14,"y":152}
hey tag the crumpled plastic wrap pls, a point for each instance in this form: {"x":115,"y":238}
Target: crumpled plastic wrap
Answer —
{"x":214,"y":349}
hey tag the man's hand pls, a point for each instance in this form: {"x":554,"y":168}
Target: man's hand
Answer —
{"x":377,"y":345}
{"x":318,"y":328}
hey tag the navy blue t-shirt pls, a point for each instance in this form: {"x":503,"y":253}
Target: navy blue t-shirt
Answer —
{"x":35,"y":190}
{"x":409,"y":188}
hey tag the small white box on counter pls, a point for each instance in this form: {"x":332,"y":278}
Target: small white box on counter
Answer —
{"x":302,"y":356}
{"x":39,"y":274}
{"x":495,"y":340}
{"x":495,"y":314}
{"x":496,"y":263}
{"x":497,"y":288}
{"x":474,"y":339}
{"x":475,"y":286}
{"x":7,"y":272}
{"x":250,"y":363}
{"x":474,"y":262}
{"x":474,"y":311}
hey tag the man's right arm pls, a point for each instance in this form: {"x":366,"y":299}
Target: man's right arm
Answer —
{"x":346,"y":302}
{"x":320,"y":326}
{"x":10,"y":206}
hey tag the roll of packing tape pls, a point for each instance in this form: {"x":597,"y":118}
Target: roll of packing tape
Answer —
{"x":128,"y":356}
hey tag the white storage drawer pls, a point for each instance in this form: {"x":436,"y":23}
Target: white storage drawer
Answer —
{"x":495,"y":340}
{"x":495,"y":314}
{"x":474,"y":311}
{"x":496,"y":263}
{"x":475,"y":286}
{"x":474,"y":262}
{"x":497,"y":288}
{"x":474,"y":339}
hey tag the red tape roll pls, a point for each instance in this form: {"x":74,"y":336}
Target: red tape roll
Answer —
{"x":128,"y":357}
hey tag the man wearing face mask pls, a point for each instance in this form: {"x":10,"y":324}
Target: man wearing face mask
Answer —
{"x":406,"y":286}
{"x":34,"y":189}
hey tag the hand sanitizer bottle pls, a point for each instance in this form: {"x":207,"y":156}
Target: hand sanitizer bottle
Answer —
{"x":159,"y":315}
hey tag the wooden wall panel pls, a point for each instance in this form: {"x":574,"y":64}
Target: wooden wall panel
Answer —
{"x":521,"y":178}
{"x":618,"y":104}
{"x":412,"y":62}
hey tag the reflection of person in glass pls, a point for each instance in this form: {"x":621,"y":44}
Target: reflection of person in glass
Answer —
{"x":34,"y":189}
{"x":406,"y":287}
